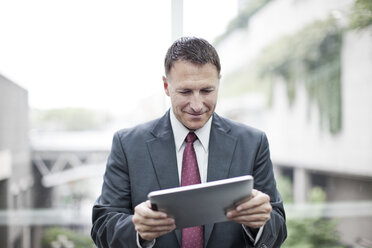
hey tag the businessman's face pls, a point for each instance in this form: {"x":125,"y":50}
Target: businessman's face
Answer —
{"x":193,"y":91}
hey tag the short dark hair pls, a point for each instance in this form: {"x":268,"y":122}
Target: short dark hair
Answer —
{"x":195,"y":50}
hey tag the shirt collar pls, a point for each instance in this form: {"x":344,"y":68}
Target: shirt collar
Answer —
{"x":180,"y":132}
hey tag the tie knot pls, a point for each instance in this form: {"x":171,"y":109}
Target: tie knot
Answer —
{"x":191,"y":137}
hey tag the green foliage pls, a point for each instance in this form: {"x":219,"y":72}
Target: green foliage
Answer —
{"x":242,"y":19}
{"x":284,"y":186}
{"x":309,"y":232}
{"x":361,"y":15}
{"x":317,"y":195}
{"x":69,"y":119}
{"x":79,"y":240}
{"x":311,"y":57}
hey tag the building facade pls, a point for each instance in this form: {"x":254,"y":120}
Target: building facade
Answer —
{"x":302,"y":147}
{"x":16,"y":178}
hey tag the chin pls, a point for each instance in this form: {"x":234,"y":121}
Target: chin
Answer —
{"x":195,"y":126}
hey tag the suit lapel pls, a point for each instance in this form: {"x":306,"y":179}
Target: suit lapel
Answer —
{"x":164,"y":159}
{"x":163,"y":154}
{"x":221,"y":150}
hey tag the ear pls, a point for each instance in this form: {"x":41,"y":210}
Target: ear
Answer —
{"x":165,"y":82}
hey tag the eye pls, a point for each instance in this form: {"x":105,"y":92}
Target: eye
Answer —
{"x":207,"y":90}
{"x":184,"y":92}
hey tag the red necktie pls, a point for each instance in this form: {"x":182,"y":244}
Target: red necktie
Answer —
{"x":192,"y":237}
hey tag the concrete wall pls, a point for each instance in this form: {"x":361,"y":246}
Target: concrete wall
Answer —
{"x":296,"y":136}
{"x":15,"y":181}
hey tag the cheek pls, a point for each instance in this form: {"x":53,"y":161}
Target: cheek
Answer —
{"x":211,"y":101}
{"x":179,"y":102}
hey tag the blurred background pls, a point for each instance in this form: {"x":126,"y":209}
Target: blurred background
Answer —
{"x":74,"y":72}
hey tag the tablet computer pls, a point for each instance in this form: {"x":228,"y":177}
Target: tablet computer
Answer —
{"x":204,"y":203}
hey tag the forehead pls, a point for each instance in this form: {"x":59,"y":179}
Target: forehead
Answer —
{"x":185,"y":70}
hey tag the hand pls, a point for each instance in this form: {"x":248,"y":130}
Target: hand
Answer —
{"x":151,"y":224}
{"x":254,"y":212}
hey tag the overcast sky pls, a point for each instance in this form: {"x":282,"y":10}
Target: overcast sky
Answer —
{"x":96,"y":54}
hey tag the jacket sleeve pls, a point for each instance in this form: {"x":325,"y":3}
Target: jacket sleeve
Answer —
{"x":113,"y":210}
{"x":275,"y":231}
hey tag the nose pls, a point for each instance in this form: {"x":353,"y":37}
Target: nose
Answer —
{"x":196,"y":103}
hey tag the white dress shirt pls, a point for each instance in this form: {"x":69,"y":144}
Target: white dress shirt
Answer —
{"x":200,"y":145}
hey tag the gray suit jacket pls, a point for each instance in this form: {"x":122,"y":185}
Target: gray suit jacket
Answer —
{"x":143,"y":159}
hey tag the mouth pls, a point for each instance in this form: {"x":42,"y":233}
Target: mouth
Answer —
{"x":195,"y":115}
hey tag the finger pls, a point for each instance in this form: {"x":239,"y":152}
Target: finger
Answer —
{"x":262,"y":209}
{"x":254,"y":192}
{"x":253,"y":221}
{"x":144,"y":210}
{"x":158,"y":222}
{"x":154,"y":228}
{"x":257,"y":200}
{"x":251,"y":218}
{"x":144,"y":218}
{"x":138,"y":219}
{"x":149,"y":213}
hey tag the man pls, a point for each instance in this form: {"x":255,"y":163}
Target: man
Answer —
{"x":155,"y":156}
